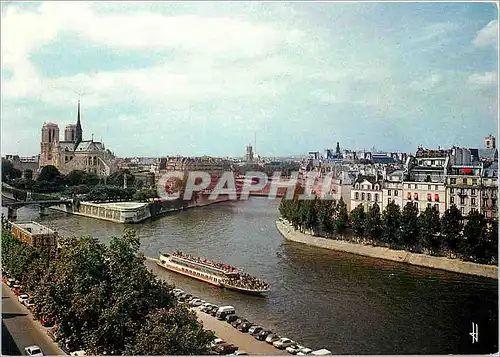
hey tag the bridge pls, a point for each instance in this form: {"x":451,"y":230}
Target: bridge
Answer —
{"x":13,"y":205}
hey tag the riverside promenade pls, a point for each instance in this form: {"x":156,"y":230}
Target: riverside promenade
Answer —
{"x":402,"y":256}
{"x":244,"y":341}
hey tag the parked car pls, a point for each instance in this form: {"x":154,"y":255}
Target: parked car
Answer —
{"x":213,"y":312}
{"x":205,"y":306}
{"x":225,"y":348}
{"x":216,"y":342}
{"x":283,"y":343}
{"x":231,"y":318}
{"x":29,"y":304}
{"x":304,"y":351}
{"x":262,"y":335}
{"x":239,"y":353}
{"x":255,"y":330}
{"x":52,"y":333}
{"x":23,"y":298}
{"x":238,"y":322}
{"x":245,"y":326}
{"x":33,"y":351}
{"x":46,"y":322}
{"x":272,"y":338}
{"x":294,"y":349}
{"x":321,"y":352}
{"x":78,"y":353}
{"x":11,"y":281}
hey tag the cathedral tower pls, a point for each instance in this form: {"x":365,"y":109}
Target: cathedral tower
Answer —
{"x":78,"y":129}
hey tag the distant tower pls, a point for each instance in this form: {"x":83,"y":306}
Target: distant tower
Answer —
{"x":249,"y":153}
{"x":70,"y":133}
{"x":489,"y":142}
{"x":78,"y":130}
{"x":337,"y":150}
{"x":50,"y":134}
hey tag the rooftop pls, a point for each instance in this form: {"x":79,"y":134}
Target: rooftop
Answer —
{"x":33,"y":228}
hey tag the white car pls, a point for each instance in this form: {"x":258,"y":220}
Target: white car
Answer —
{"x":216,"y":342}
{"x":283,"y":343}
{"x":23,"y":298}
{"x":304,"y":351}
{"x":78,"y":353}
{"x":321,"y":352}
{"x":33,"y":351}
{"x":239,"y":353}
{"x":294,"y":349}
{"x":196,"y":302}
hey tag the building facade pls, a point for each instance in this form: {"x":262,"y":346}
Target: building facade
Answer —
{"x":366,"y":191}
{"x":36,"y":235}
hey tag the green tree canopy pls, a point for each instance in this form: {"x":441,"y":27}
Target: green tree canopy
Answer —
{"x":342,"y":219}
{"x":409,"y":226}
{"x":80,"y":177}
{"x":391,"y":225}
{"x":429,"y":228}
{"x":451,"y":228}
{"x":373,"y":223}
{"x":357,"y":218}
{"x":9,"y":172}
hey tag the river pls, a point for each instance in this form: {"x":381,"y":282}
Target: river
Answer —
{"x":320,"y":298}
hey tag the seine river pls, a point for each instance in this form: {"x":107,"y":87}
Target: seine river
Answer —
{"x":320,"y":298}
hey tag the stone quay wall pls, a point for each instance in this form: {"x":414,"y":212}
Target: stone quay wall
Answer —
{"x":442,"y":263}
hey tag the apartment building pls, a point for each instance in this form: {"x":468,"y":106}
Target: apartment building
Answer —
{"x":366,"y":190}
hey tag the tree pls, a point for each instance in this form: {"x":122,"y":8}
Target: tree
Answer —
{"x":171,"y":332}
{"x":474,"y":232}
{"x":391,"y":225}
{"x":429,"y":229}
{"x":357,"y":219}
{"x":451,"y":228}
{"x":324,"y":216}
{"x":373,"y":224}
{"x":9,"y":172}
{"x":49,"y":173}
{"x":491,"y":239}
{"x":409,"y":226}
{"x":28,"y":174}
{"x":116,"y":178}
{"x":80,"y":177}
{"x":342,"y":218}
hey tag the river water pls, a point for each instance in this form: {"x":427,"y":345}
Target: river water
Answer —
{"x":320,"y":298}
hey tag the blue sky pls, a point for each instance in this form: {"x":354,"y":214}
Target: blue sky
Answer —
{"x":201,"y":78}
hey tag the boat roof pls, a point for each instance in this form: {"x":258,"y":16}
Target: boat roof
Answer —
{"x":234,"y":271}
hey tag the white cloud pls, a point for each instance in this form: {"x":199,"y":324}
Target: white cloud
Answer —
{"x":428,"y":83}
{"x":487,"y":36}
{"x":486,"y":79}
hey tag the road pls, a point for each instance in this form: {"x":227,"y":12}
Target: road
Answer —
{"x":22,"y":330}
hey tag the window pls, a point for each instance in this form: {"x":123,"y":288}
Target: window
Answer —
{"x":474,"y":181}
{"x":356,"y":195}
{"x":429,"y":187}
{"x":388,"y":200}
{"x":462,"y":200}
{"x":452,"y":191}
{"x":395,"y":192}
{"x":462,"y":210}
{"x":376,"y":197}
{"x":357,"y":185}
{"x":369,"y":196}
{"x":435,"y":187}
{"x":464,"y":181}
{"x":429,"y":205}
{"x":416,"y":186}
{"x":436,"y":207}
{"x":408,"y":196}
{"x":362,"y":196}
{"x":453,"y":181}
{"x":388,"y":192}
{"x":473,"y":192}
{"x":415,"y":196}
{"x":452,"y":200}
{"x":429,"y":197}
{"x":473,"y":201}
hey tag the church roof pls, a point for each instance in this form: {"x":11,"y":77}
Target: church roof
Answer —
{"x":90,"y":145}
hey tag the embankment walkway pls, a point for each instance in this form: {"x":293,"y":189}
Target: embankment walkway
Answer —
{"x":244,"y":341}
{"x":442,"y":263}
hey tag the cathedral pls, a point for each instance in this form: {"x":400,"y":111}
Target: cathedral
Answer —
{"x":74,"y":153}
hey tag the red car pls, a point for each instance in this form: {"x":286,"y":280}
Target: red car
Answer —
{"x":46,"y":322}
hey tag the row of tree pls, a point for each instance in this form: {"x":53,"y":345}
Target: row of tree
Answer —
{"x":103,"y":298}
{"x":470,"y":238}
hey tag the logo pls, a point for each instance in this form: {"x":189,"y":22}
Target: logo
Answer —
{"x":475,"y":333}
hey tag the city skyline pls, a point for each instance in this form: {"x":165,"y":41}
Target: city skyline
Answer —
{"x":301,"y":75}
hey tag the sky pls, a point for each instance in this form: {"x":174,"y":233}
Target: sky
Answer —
{"x":201,"y":78}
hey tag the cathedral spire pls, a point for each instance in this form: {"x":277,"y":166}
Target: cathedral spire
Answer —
{"x":78,"y":131}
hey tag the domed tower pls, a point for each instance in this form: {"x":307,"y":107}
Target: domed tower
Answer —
{"x":50,"y":134}
{"x":70,"y":133}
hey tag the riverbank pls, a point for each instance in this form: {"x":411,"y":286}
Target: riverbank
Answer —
{"x":423,"y":260}
{"x":244,"y":341}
